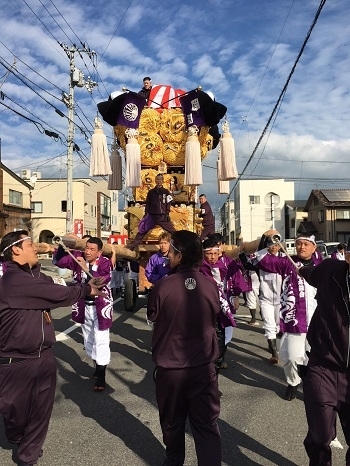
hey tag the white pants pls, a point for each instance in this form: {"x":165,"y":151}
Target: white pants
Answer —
{"x":293,"y":353}
{"x":270,"y":314}
{"x":228,"y":334}
{"x":252,"y":297}
{"x":96,"y":342}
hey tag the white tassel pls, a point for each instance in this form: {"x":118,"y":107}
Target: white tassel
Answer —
{"x":223,"y":186}
{"x":227,"y":155}
{"x":99,"y":161}
{"x":115,"y":180}
{"x":193,"y":161}
{"x":133,"y":159}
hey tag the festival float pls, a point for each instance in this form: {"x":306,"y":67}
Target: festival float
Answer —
{"x":170,"y":133}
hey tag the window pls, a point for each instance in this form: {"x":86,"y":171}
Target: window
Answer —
{"x":320,"y":216}
{"x":105,"y":211}
{"x":15,"y":197}
{"x":64,"y":206}
{"x":37,"y":207}
{"x":343,"y":214}
{"x":254,"y":199}
{"x":343,"y":237}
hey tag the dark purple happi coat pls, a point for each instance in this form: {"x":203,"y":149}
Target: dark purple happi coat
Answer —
{"x":192,"y":109}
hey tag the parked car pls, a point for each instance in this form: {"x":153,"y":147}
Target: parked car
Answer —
{"x":326,"y":249}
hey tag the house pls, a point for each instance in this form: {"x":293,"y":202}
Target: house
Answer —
{"x":92,"y":209}
{"x":329,"y":212}
{"x":260,"y":206}
{"x":15,"y":198}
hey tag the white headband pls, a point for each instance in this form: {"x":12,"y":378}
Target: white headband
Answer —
{"x":307,"y":238}
{"x":211,"y":249}
{"x":15,"y":242}
{"x":172,"y":244}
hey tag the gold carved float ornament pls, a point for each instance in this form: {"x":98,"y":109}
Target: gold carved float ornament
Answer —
{"x":171,"y":133}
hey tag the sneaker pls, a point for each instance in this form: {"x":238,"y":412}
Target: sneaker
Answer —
{"x":224,"y":365}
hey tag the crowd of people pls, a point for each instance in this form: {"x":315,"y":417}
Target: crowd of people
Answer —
{"x":302,"y":300}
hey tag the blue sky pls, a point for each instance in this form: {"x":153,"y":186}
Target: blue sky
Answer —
{"x":241,"y":50}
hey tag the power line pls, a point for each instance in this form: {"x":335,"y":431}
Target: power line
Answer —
{"x":19,"y":76}
{"x":35,"y":116}
{"x":34,"y":71}
{"x":282,"y":94}
{"x":47,"y":29}
{"x":268,"y":64}
{"x":54,"y":85}
{"x":116,"y":29}
{"x":55,"y":97}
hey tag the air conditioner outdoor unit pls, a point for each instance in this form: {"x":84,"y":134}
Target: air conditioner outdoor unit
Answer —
{"x":26,"y":174}
{"x":37,"y":174}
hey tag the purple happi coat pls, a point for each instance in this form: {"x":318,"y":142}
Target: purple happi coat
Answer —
{"x":298,"y":301}
{"x":236,"y":282}
{"x":104,"y":304}
{"x":217,"y":273}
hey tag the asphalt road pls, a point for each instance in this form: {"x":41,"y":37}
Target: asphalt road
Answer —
{"x":120,"y":426}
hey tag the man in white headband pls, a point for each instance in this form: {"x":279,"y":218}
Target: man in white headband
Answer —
{"x":27,"y":334}
{"x":298,"y":304}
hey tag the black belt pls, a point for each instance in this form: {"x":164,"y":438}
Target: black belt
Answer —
{"x":11,"y":360}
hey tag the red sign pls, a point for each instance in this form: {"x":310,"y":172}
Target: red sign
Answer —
{"x":78,"y":228}
{"x":119,"y":239}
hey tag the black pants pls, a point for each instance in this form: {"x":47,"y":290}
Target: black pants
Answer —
{"x":27,"y":393}
{"x":193,"y":393}
{"x":160,"y":220}
{"x":326,"y":393}
{"x":220,"y":333}
{"x":208,"y":230}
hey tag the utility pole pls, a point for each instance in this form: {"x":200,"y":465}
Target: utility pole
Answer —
{"x":229,"y":226}
{"x":76,"y":79}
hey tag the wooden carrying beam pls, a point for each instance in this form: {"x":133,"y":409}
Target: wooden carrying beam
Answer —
{"x":73,"y":242}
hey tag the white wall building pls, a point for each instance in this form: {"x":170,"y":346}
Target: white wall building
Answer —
{"x":95,"y":208}
{"x":227,"y":218}
{"x":259,"y":206}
